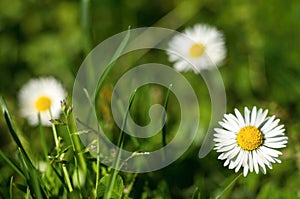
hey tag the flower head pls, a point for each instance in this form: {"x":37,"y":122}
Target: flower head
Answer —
{"x":198,"y":48}
{"x":43,"y":96}
{"x":250,"y":141}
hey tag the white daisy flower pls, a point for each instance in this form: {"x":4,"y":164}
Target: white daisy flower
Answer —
{"x":198,"y":48}
{"x":42,"y":95}
{"x":250,"y":141}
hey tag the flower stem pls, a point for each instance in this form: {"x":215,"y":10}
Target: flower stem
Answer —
{"x":229,"y":185}
{"x":66,"y":174}
{"x":64,"y":169}
{"x":116,"y":164}
{"x":43,"y":139}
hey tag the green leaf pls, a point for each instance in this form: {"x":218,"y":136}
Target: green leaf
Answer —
{"x":57,"y":122}
{"x":11,"y":186}
{"x":226,"y":191}
{"x":33,"y":178}
{"x":11,"y":127}
{"x":164,"y":129}
{"x":13,"y":165}
{"x":117,"y":188}
{"x":112,"y":62}
{"x":21,"y":187}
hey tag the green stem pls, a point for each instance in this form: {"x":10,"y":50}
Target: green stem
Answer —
{"x":98,"y":168}
{"x":229,"y":185}
{"x":11,"y":187}
{"x":129,"y":187}
{"x":120,"y":144}
{"x":75,"y":151}
{"x":77,"y":143}
{"x":85,"y":23}
{"x":55,"y":136}
{"x":67,"y":177}
{"x":64,"y":169}
{"x":42,"y":134}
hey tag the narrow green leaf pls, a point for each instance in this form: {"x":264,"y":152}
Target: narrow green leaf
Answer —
{"x":21,"y":187}
{"x":195,"y":193}
{"x":228,"y":187}
{"x":33,"y":179}
{"x":117,"y":189}
{"x":120,"y":144}
{"x":10,"y":187}
{"x":59,"y":176}
{"x":112,"y":62}
{"x":13,"y":165}
{"x":164,"y":129}
{"x":11,"y":128}
{"x":57,"y":122}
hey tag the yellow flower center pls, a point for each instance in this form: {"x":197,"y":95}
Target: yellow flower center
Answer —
{"x":43,"y":103}
{"x":249,"y":138}
{"x":197,"y":50}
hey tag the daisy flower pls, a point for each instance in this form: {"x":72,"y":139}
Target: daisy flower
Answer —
{"x":198,"y":48}
{"x":43,"y":96}
{"x":250,"y":140}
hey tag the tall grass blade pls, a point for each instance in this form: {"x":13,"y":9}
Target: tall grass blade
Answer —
{"x":13,"y":165}
{"x":120,"y":144}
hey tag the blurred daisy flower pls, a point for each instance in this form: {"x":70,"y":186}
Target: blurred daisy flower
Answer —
{"x":198,"y":48}
{"x":250,"y":141}
{"x":41,"y":95}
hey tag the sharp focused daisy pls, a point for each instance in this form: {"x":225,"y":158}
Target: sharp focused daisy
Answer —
{"x":198,"y":48}
{"x":250,"y":141}
{"x":42,"y":95}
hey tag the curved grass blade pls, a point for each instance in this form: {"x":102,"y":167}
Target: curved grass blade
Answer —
{"x":228,"y":187}
{"x":120,"y":144}
{"x":112,"y":62}
{"x":11,"y":128}
{"x":13,"y":165}
{"x":33,"y":179}
{"x":164,"y":129}
{"x":10,"y":187}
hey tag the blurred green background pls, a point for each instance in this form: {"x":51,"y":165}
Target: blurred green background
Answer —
{"x":262,"y":68}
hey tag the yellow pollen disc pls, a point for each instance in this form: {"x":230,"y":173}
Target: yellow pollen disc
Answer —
{"x":197,"y":50}
{"x":249,"y":138}
{"x":43,"y":103}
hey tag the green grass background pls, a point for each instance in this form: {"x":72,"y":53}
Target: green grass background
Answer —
{"x":262,"y":68}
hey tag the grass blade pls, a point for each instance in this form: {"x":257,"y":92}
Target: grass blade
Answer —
{"x":164,"y":129}
{"x":10,"y":187}
{"x":228,"y":187}
{"x":33,"y":179}
{"x":11,"y":128}
{"x":112,"y":62}
{"x":120,"y":144}
{"x":13,"y":165}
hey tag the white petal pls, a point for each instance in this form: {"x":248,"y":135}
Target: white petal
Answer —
{"x":232,"y":120}
{"x":229,"y":127}
{"x":255,"y":164}
{"x":261,"y":116}
{"x":271,"y":126}
{"x":260,"y":162}
{"x":235,"y":162}
{"x":276,"y":139}
{"x":231,"y":154}
{"x":247,"y":116}
{"x":250,"y":161}
{"x":226,"y":148}
{"x":253,"y":116}
{"x":275,"y":145}
{"x":241,"y":162}
{"x":274,"y":132}
{"x":240,"y":118}
{"x":271,"y":152}
{"x":268,"y":123}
